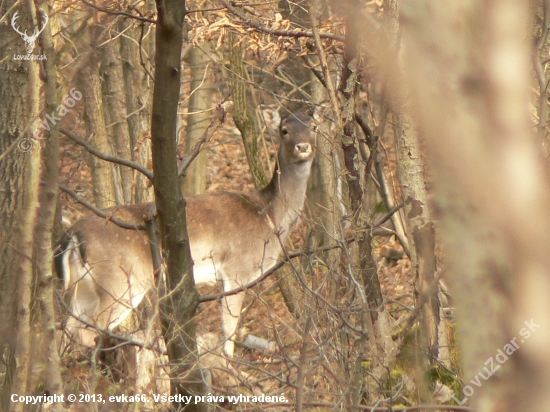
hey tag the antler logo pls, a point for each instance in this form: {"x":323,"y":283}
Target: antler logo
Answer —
{"x":30,"y":40}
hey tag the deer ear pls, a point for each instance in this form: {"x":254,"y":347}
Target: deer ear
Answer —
{"x":271,"y":118}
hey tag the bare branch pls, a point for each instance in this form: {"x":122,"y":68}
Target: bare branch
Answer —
{"x":101,"y":213}
{"x":120,"y":13}
{"x":278,"y":265}
{"x":388,"y":215}
{"x":136,"y":166}
{"x":288,"y":33}
{"x":208,"y":133}
{"x":124,"y":339}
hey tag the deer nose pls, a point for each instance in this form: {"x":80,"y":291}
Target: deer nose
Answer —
{"x":303,"y":147}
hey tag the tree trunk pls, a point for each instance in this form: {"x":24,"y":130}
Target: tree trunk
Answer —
{"x":114,"y":99}
{"x":45,"y":333}
{"x":139,"y":97}
{"x":197,"y":122}
{"x":492,"y":196}
{"x":325,"y":196}
{"x":421,"y":241}
{"x":421,"y":232}
{"x":96,"y":130}
{"x":19,"y":179}
{"x":478,"y":285}
{"x":179,"y":305}
{"x":241,"y":114}
{"x":145,"y":367}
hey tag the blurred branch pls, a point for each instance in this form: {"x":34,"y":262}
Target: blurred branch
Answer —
{"x":388,"y":215}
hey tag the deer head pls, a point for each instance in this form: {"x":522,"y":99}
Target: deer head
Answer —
{"x":30,"y":40}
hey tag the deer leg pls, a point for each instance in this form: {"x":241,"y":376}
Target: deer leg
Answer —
{"x":231,"y":312}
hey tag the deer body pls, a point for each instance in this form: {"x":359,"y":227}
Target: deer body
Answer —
{"x":234,"y":237}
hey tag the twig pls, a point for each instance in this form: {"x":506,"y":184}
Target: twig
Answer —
{"x":101,"y":213}
{"x":208,"y":133}
{"x":287,"y":33}
{"x":205,"y":10}
{"x":313,"y":11}
{"x":269,"y":272}
{"x":119,"y":13}
{"x":388,"y":215}
{"x":369,"y":134}
{"x":125,"y":340}
{"x":288,"y":257}
{"x":265,"y":275}
{"x":136,"y":166}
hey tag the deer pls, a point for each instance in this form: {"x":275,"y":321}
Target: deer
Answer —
{"x":234,"y":238}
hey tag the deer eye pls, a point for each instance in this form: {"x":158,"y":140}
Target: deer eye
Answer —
{"x":284,"y":132}
{"x":314,"y":127}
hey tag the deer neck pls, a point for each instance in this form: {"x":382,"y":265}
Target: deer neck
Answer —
{"x":285,"y":195}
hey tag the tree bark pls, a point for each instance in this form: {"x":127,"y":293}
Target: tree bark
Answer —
{"x":45,"y":332}
{"x":139,"y":98}
{"x":197,"y":122}
{"x":421,"y":239}
{"x":96,"y":130}
{"x":241,"y":114}
{"x":19,"y":179}
{"x":114,"y":99}
{"x":179,"y":305}
{"x":145,"y":367}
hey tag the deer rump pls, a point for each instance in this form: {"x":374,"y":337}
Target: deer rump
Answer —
{"x":234,"y":237}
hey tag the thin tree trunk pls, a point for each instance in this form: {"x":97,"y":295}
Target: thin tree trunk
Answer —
{"x":145,"y":367}
{"x":19,"y":88}
{"x":114,"y":98}
{"x":422,"y":246}
{"x":45,"y":332}
{"x":179,"y":305}
{"x":241,"y":114}
{"x":139,"y":98}
{"x":375,"y":321}
{"x":96,"y":131}
{"x":197,"y":122}
{"x":325,"y":202}
{"x":354,"y":181}
{"x":421,"y":232}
